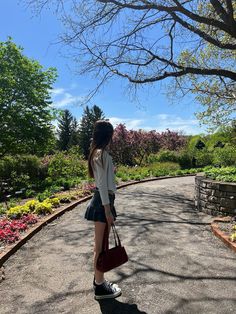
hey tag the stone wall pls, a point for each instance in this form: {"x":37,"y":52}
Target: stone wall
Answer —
{"x":215,"y":197}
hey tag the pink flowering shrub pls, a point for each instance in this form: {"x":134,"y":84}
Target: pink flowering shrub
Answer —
{"x":132,"y":147}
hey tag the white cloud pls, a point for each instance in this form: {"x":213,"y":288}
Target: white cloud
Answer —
{"x":130,"y":123}
{"x":57,"y":91}
{"x":160,"y":123}
{"x":62,"y":98}
{"x":176,"y":123}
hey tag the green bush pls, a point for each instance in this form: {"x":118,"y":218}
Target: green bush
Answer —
{"x":42,"y":196}
{"x":20,"y":171}
{"x":66,"y":184}
{"x":157,"y":169}
{"x":193,"y":143}
{"x":167,"y":156}
{"x":2,"y":210}
{"x":163,"y":168}
{"x":203,"y":157}
{"x":64,"y":165}
{"x":225,"y":156}
{"x":185,"y":159}
{"x":29,"y":193}
{"x":152,"y":158}
{"x":20,"y":164}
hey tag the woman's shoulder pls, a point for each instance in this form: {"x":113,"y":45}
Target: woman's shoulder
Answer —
{"x":100,"y":154}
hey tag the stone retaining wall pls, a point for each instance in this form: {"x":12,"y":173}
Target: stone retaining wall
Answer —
{"x":215,"y":197}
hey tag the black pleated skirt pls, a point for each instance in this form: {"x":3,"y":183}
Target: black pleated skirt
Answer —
{"x":95,"y":210}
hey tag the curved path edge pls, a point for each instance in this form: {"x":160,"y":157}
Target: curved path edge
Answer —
{"x":220,"y":234}
{"x":9,"y":251}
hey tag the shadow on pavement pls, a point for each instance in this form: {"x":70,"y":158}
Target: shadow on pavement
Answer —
{"x":113,"y":306}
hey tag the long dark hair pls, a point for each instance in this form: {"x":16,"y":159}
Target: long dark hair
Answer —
{"x":102,"y":135}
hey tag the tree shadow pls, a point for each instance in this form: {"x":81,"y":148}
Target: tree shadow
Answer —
{"x":113,"y":306}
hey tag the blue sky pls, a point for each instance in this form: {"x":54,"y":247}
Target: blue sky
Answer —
{"x":38,"y":35}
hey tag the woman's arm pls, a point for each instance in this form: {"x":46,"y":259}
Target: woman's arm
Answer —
{"x":101,"y":169}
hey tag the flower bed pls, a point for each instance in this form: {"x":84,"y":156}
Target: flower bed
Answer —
{"x":10,"y":229}
{"x":17,"y":220}
{"x":225,"y":230}
{"x":224,"y":174}
{"x":229,"y":229}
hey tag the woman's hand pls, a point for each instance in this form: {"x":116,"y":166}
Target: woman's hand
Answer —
{"x":108,"y":213}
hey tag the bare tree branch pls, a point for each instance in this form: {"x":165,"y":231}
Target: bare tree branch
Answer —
{"x":220,"y":10}
{"x":146,"y":41}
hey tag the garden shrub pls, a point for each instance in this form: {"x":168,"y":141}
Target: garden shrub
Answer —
{"x":20,"y":164}
{"x":185,"y":159}
{"x":31,"y":204}
{"x":64,"y":199}
{"x":193,"y":143}
{"x":18,"y":211}
{"x":65,"y":165}
{"x":164,"y":168}
{"x":167,"y":155}
{"x":42,"y":196}
{"x":131,"y":147}
{"x":126,"y":173}
{"x":20,"y":172}
{"x":2,"y":209}
{"x":225,"y":156}
{"x":55,"y":202}
{"x":203,"y":157}
{"x":29,"y":193}
{"x":43,"y":208}
{"x":152,"y":158}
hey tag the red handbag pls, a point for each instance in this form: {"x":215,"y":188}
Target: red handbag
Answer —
{"x":111,"y":258}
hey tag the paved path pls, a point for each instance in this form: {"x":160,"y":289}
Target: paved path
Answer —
{"x":176,"y":264}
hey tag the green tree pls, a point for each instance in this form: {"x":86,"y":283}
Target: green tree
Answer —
{"x":67,"y":129}
{"x":90,"y":116}
{"x":192,"y":42}
{"x":74,"y":140}
{"x":226,"y":135}
{"x":25,"y":111}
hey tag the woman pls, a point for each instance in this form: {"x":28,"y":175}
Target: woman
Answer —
{"x":101,"y":209}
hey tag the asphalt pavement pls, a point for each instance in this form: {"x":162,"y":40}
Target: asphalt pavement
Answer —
{"x":176,"y":264}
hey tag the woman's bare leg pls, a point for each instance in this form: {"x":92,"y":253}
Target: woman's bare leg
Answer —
{"x":98,"y":239}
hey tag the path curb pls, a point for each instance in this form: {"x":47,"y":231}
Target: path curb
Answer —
{"x":14,"y":247}
{"x":220,"y":234}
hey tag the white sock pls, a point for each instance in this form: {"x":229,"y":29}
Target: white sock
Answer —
{"x":99,"y":283}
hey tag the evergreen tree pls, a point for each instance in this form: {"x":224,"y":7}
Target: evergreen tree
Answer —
{"x":74,"y":139}
{"x":90,"y":116}
{"x":66,"y":127}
